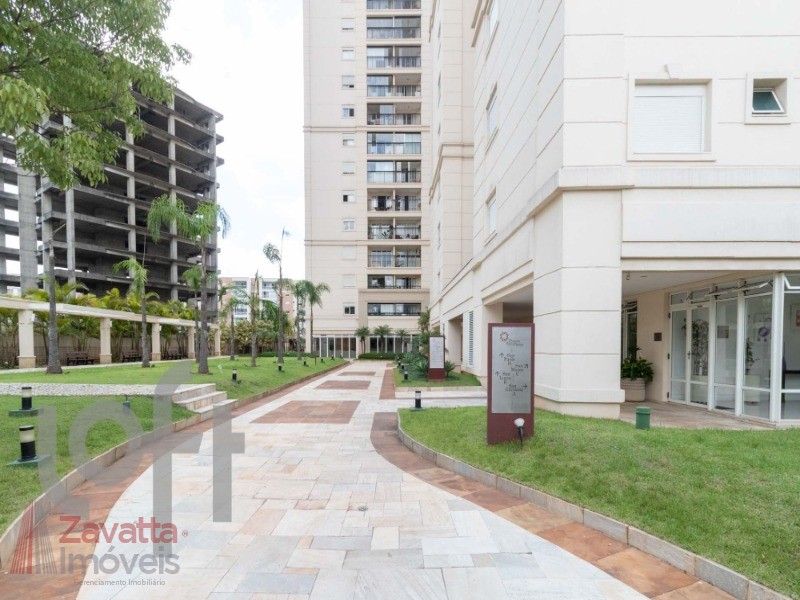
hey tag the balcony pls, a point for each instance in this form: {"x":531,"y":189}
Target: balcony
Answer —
{"x":397,"y":91}
{"x":389,"y":282}
{"x":399,"y":119}
{"x":386,"y":260}
{"x":389,"y":232}
{"x":393,"y":33}
{"x":394,"y":4}
{"x":394,"y":148}
{"x":375,"y":309}
{"x":394,"y":177}
{"x":394,"y":62}
{"x":397,"y":203}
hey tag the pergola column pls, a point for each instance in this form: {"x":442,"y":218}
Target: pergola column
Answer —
{"x":190,"y":344}
{"x":218,"y":342}
{"x":27,"y":354}
{"x":105,"y":341}
{"x":155,"y":341}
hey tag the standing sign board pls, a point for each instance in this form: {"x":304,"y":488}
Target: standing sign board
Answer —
{"x":511,"y":348}
{"x":436,"y":370}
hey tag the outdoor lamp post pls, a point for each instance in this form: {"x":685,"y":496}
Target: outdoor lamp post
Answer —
{"x":27,"y":397}
{"x":520,"y":424}
{"x":234,"y":375}
{"x":418,"y":400}
{"x":27,"y":443}
{"x":405,"y":375}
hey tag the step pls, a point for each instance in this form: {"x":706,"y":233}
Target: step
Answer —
{"x":206,"y":412}
{"x":204,"y":400}
{"x":192,"y":391}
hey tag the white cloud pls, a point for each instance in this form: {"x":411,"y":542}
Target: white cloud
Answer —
{"x":247,"y":63}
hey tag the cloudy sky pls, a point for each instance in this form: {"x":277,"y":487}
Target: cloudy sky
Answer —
{"x":247,"y":63}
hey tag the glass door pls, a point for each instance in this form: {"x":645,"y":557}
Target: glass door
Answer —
{"x":678,"y":357}
{"x":757,"y":356}
{"x":698,"y":356}
{"x":726,"y":337}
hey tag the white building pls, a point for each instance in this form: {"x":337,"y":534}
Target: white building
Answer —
{"x":635,"y":184}
{"x":367,"y":103}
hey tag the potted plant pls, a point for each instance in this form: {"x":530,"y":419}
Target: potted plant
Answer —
{"x":634,"y":374}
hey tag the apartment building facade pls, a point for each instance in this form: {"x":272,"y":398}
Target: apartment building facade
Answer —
{"x":94,"y":227}
{"x":267,"y":290}
{"x":367,"y":155}
{"x":635,"y":186}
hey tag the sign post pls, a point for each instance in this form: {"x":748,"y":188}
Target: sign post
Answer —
{"x":511,"y":350}
{"x":436,"y":371}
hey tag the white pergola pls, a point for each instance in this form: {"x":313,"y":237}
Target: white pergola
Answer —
{"x":26,"y":308}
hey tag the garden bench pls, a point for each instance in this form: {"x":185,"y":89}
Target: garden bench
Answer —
{"x":78,"y":357}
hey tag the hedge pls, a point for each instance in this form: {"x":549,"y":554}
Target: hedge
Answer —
{"x":378,"y":356}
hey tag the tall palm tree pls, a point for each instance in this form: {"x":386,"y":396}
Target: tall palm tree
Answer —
{"x":192,"y":277}
{"x":362,"y":333}
{"x":314,"y":297}
{"x":402,"y":334}
{"x":274,"y":254}
{"x":234,"y":300}
{"x":253,"y":300}
{"x":299,"y":292}
{"x":382,"y":332}
{"x":199,"y":226}
{"x":138,"y":274}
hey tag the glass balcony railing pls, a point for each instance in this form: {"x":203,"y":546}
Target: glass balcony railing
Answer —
{"x":393,"y":33}
{"x":395,"y":148}
{"x":394,"y":62}
{"x":400,"y":232}
{"x":397,"y":284}
{"x":394,"y":176}
{"x":389,"y":91}
{"x":388,"y":261}
{"x":394,"y":4}
{"x":403,"y":119}
{"x":401,"y":204}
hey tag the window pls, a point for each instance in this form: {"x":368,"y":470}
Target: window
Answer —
{"x":348,"y":54}
{"x":348,"y":252}
{"x":348,"y":111}
{"x":348,"y":281}
{"x":492,"y":15}
{"x":491,"y":215}
{"x":348,"y":196}
{"x":348,"y":139}
{"x":491,"y":114}
{"x":669,"y":119}
{"x":348,"y":225}
{"x":767,"y":100}
{"x":349,"y":309}
{"x":470,"y":339}
{"x":348,"y":24}
{"x":348,"y":168}
{"x":348,"y":82}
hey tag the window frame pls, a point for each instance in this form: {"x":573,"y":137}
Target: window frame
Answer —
{"x":348,"y":21}
{"x":348,"y":194}
{"x":348,"y":52}
{"x":491,"y":215}
{"x":345,"y":226}
{"x":348,"y":137}
{"x":344,"y":166}
{"x":347,"y":86}
{"x":780,"y":84}
{"x":351,"y":108}
{"x":491,"y":118}
{"x":349,"y":310}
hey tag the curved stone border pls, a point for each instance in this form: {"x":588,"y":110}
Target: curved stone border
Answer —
{"x":44,"y":504}
{"x":735,"y":584}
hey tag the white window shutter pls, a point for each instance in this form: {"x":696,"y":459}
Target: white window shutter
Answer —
{"x":669,"y":119}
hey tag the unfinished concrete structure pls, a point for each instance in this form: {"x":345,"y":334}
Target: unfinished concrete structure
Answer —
{"x":95,"y":227}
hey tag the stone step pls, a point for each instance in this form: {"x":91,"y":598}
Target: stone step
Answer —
{"x":193,"y":391}
{"x":203,"y":400}
{"x":206,"y":412}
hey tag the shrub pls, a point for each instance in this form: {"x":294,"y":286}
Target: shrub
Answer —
{"x":378,"y":356}
{"x":637,"y":369}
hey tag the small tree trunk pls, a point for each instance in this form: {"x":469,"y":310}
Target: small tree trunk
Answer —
{"x":280,"y":313}
{"x":233,"y":337}
{"x":202,"y":362}
{"x":311,"y":324}
{"x":253,"y":338}
{"x":53,"y":359}
{"x":145,"y":353}
{"x":299,"y":345}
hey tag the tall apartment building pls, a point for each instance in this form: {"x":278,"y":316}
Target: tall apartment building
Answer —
{"x":267,"y":290}
{"x":367,"y":113}
{"x":96,"y":227}
{"x":635,"y":185}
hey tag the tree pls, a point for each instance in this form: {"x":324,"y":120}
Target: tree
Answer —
{"x":234,"y":300}
{"x":362,"y":333}
{"x":199,"y":226}
{"x":192,"y":278}
{"x":402,"y":334}
{"x":314,"y":297}
{"x":138,"y":274}
{"x":299,"y":293}
{"x":79,"y":59}
{"x":382,"y":331}
{"x":274,"y":254}
{"x":254,"y":302}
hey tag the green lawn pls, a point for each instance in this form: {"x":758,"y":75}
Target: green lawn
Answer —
{"x":251,"y":381}
{"x":731,"y":496}
{"x":18,"y":485}
{"x":454,"y":380}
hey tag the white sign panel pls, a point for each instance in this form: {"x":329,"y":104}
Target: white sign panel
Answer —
{"x":436,"y":357}
{"x":511,"y":369}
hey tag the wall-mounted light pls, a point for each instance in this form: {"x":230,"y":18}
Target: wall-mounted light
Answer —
{"x":520,"y":425}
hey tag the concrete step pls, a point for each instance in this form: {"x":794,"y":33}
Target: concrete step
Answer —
{"x":206,"y":412}
{"x":192,"y":391}
{"x":196,"y":402}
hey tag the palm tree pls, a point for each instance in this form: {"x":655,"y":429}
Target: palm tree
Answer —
{"x":382,"y":331}
{"x":192,"y":278}
{"x":362,"y":333}
{"x":314,"y":297}
{"x":402,"y":334}
{"x":138,"y":274}
{"x":299,"y":292}
{"x":253,"y":300}
{"x":424,"y":320}
{"x":234,"y":300}
{"x":199,"y":226}
{"x":274,"y":255}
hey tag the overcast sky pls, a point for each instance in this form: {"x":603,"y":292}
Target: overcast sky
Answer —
{"x":247,"y":63}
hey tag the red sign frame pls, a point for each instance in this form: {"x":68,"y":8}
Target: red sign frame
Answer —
{"x":500,"y":426}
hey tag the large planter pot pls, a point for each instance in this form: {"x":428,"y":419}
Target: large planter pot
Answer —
{"x":634,"y":389}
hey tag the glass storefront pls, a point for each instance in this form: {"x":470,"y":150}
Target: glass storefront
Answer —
{"x":335,"y":346}
{"x":729,"y":342}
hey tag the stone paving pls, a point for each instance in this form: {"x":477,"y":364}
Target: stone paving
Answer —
{"x":318,"y":513}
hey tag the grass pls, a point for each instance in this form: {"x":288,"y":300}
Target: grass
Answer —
{"x":251,"y":380}
{"x":731,"y":496}
{"x":453,"y":380}
{"x":19,"y":486}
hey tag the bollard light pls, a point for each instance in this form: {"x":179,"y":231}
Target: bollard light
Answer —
{"x":418,"y":400}
{"x":305,"y":362}
{"x":27,"y":397}
{"x":280,"y":368}
{"x":126,"y":405}
{"x":234,"y":375}
{"x":27,"y":443}
{"x":322,"y":360}
{"x":405,"y":375}
{"x":520,"y":424}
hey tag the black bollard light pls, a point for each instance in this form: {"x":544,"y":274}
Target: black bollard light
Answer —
{"x":234,"y":375}
{"x":405,"y":375}
{"x":27,"y":397}
{"x":520,"y":424}
{"x":305,"y":362}
{"x":280,"y":368}
{"x":27,"y":443}
{"x":418,"y":400}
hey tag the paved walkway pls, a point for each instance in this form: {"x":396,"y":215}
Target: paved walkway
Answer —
{"x":687,"y":417}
